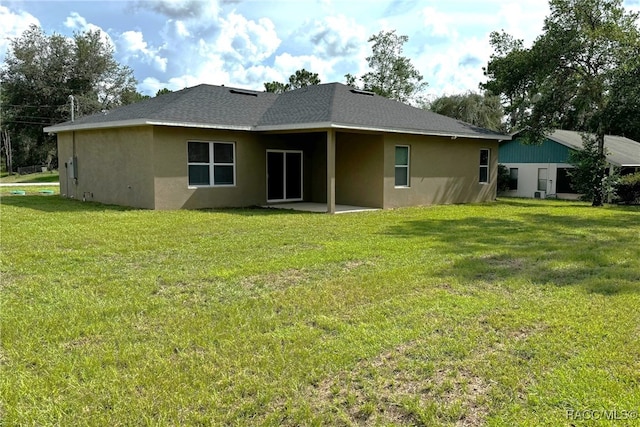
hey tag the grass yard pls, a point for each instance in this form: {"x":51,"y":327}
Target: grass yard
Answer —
{"x":40,"y":177}
{"x":520,"y":312}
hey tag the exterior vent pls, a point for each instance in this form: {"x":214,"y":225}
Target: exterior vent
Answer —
{"x":362,"y":92}
{"x":242,"y":92}
{"x":539,"y":195}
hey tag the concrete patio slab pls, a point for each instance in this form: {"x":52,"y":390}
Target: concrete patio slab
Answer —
{"x":318,"y":207}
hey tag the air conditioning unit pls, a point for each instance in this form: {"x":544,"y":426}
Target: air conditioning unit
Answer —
{"x":539,"y":195}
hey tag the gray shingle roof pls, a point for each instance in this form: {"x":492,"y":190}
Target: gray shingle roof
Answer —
{"x":322,"y":106}
{"x":621,"y":151}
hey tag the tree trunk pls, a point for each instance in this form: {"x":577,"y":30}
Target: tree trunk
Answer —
{"x":598,"y":194}
{"x":6,"y":145}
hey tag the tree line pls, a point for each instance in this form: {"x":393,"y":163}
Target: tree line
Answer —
{"x":582,"y":73}
{"x":39,"y":75}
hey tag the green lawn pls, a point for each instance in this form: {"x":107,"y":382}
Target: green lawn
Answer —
{"x":512,"y":313}
{"x":40,"y":177}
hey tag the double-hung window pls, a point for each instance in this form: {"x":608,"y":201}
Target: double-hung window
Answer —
{"x":484,"y":166}
{"x":211,"y":164}
{"x":402,"y":166}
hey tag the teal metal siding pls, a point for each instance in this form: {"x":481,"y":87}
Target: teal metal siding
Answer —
{"x":547,"y":152}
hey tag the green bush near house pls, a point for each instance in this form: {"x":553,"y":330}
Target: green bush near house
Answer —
{"x":628,"y":188}
{"x":503,"y":178}
{"x":519,"y":312}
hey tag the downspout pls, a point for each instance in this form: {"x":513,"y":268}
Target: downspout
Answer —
{"x":74,"y":179}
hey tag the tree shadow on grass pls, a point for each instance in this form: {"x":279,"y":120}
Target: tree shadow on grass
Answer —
{"x":54,"y":203}
{"x":601,"y":254}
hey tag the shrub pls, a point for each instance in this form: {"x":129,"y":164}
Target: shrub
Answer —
{"x":503,"y":178}
{"x":628,"y":188}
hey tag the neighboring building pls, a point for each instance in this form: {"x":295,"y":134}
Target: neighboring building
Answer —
{"x":542,"y":170}
{"x":215,"y":146}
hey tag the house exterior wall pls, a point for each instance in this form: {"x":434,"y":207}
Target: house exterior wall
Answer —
{"x":528,"y":179}
{"x":442,"y":171}
{"x":172,"y":190}
{"x":528,"y":159}
{"x":65,"y":152}
{"x":114,"y":166}
{"x":359,"y":169}
{"x":147,"y":167}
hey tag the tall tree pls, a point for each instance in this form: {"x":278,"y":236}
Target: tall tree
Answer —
{"x":37,"y":77}
{"x":392,"y":75}
{"x":586,"y":46}
{"x":301,"y":78}
{"x":484,"y":110}
{"x":510,"y":77}
{"x":623,"y":110}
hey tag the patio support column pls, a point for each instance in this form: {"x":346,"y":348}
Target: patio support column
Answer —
{"x":331,"y":171}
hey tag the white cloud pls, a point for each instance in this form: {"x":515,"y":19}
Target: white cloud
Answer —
{"x":439,"y":24}
{"x":456,"y":69}
{"x":287,"y":64}
{"x":334,"y":36}
{"x":523,"y":21}
{"x":13,"y":25}
{"x":134,"y":46}
{"x":183,"y":9}
{"x":181,"y":29}
{"x":246,"y":40}
{"x":76,"y":22}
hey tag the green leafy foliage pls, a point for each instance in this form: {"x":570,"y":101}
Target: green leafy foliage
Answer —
{"x":504,"y":178}
{"x":483,"y":110}
{"x":510,"y":76}
{"x":575,"y":75}
{"x":301,"y":78}
{"x":39,"y":74}
{"x":588,"y":175}
{"x":392,"y":75}
{"x":628,"y":188}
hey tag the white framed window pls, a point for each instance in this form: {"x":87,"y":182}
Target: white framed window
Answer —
{"x":211,"y":164}
{"x":484,"y":166}
{"x":402,"y":166}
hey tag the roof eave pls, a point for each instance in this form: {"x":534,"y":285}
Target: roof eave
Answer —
{"x":452,"y":135}
{"x":69,"y":127}
{"x":342,"y":126}
{"x":141,"y":122}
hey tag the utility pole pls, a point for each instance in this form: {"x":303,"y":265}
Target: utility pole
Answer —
{"x":72,"y":107}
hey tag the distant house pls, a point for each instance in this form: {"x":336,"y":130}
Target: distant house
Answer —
{"x":542,"y":170}
{"x":215,"y":146}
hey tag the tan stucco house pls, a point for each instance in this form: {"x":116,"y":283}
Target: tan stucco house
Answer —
{"x":215,"y":146}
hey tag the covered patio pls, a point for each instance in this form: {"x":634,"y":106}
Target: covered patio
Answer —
{"x":318,"y":207}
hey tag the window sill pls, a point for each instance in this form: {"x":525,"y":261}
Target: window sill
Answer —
{"x":196,"y":187}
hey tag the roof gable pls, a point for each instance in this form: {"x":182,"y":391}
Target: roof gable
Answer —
{"x":548,"y":151}
{"x":556,"y":147}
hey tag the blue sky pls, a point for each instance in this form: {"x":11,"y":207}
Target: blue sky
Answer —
{"x":243,"y":43}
